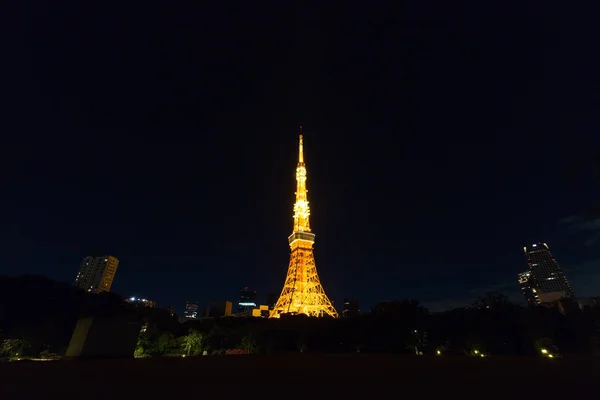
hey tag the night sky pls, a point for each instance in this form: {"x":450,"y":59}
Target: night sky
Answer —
{"x":440,"y":139}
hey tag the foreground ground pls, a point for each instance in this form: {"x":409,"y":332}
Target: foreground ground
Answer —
{"x":301,"y":376}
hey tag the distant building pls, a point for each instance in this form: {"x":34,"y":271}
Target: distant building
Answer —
{"x":191,"y":310}
{"x":96,"y":274}
{"x":220,"y":309}
{"x":138,"y":301}
{"x":351,"y":308}
{"x":544,"y":281}
{"x":261,"y":311}
{"x":247,"y":300}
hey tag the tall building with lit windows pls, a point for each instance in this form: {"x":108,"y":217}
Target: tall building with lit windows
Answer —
{"x":544,"y":281}
{"x":96,"y":274}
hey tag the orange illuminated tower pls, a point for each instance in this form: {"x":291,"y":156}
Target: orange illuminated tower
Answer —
{"x":302,"y":291}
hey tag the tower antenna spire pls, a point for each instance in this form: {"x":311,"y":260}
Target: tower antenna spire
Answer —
{"x":301,"y":147}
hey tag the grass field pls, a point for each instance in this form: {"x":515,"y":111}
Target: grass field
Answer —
{"x":302,"y":376}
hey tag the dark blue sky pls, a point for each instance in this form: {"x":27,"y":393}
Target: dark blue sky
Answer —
{"x":440,"y":139}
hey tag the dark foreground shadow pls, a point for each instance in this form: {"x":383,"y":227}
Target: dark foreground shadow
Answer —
{"x":301,"y":377}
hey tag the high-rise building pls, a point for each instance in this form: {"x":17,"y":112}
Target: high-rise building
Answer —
{"x":96,"y":274}
{"x":191,"y":310}
{"x":302,"y":290}
{"x":544,"y":282}
{"x":247,"y":300}
{"x":351,"y":308}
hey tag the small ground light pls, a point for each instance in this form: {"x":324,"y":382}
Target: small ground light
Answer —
{"x":183,"y":356}
{"x":438,"y":352}
{"x":482,"y":355}
{"x":476,"y":351}
{"x":550,"y":355}
{"x":544,"y":351}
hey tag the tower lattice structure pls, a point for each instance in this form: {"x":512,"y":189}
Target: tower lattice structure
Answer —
{"x":302,"y":291}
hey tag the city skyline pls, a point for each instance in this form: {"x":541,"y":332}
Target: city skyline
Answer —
{"x":443,"y":140}
{"x":301,"y":223}
{"x":513,"y":292}
{"x":248,"y":298}
{"x":506,"y":288}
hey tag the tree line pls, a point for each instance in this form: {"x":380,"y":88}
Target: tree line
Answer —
{"x":38,"y":315}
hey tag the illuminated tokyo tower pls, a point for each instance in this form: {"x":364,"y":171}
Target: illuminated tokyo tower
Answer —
{"x":302,"y":291}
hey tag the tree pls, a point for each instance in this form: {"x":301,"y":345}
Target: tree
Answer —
{"x":13,"y":347}
{"x":216,"y":339}
{"x":144,"y":344}
{"x":165,"y":343}
{"x":192,"y":342}
{"x":248,"y":343}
